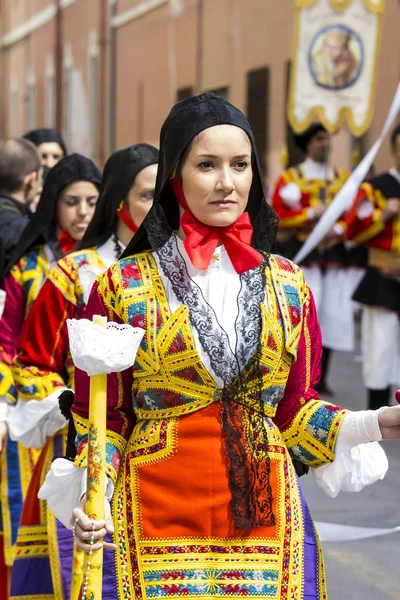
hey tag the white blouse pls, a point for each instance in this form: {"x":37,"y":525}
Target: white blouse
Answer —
{"x":358,"y":462}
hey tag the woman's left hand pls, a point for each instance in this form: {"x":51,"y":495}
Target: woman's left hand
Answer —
{"x":389,"y":422}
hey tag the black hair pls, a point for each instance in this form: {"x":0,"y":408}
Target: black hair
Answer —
{"x":395,"y":134}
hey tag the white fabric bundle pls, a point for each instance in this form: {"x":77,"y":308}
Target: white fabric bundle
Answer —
{"x":98,"y":350}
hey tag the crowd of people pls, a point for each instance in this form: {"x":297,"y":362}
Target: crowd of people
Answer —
{"x":227,"y":403}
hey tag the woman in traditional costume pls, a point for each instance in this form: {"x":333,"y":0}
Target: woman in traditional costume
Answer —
{"x":43,"y":361}
{"x":50,"y":145}
{"x":207,"y":430}
{"x":62,"y":217}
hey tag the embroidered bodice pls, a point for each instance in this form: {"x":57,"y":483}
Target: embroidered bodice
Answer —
{"x":185,"y":333}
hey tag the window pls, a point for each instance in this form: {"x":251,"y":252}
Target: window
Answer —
{"x":93,"y":93}
{"x":183,"y":93}
{"x":258,"y":83}
{"x":31,"y":100}
{"x":93,"y":78}
{"x":359,"y":148}
{"x":295,"y":155}
{"x":14,"y":117}
{"x":49,"y":93}
{"x":67,"y":94}
{"x":222,"y":91}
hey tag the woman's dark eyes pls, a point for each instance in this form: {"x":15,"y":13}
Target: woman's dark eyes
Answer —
{"x":242,"y":164}
{"x":148,"y":196}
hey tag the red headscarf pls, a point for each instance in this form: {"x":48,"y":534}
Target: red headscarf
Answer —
{"x":125,"y":216}
{"x":66,"y":242}
{"x":202,"y":240}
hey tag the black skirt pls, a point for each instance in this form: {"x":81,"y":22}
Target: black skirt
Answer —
{"x":377,"y":290}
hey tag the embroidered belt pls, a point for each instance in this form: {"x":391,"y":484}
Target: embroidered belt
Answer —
{"x":143,"y":414}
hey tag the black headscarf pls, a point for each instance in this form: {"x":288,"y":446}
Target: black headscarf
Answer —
{"x":46,"y":135}
{"x":42,"y":227}
{"x":119,"y":174}
{"x":303,"y":139}
{"x":184,"y":122}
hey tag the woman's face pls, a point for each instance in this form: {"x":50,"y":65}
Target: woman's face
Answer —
{"x":141,"y":194}
{"x":50,"y":153}
{"x":75,"y":208}
{"x":217,"y":175}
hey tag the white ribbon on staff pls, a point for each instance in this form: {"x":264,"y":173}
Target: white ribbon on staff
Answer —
{"x":345,"y":197}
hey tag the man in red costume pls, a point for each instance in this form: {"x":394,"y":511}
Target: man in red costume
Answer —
{"x":332,"y":270}
{"x":375,"y":223}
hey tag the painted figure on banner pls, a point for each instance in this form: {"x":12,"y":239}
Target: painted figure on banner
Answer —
{"x":336,"y":57}
{"x":334,"y":64}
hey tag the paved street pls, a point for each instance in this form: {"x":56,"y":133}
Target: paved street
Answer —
{"x":364,"y":569}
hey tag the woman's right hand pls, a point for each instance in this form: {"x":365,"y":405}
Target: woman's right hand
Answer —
{"x":84,"y":530}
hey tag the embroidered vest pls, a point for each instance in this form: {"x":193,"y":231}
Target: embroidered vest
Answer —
{"x":170,"y":378}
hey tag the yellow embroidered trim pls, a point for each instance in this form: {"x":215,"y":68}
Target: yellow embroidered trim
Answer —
{"x":7,"y":383}
{"x":54,"y":555}
{"x":308,"y":348}
{"x":298,"y":433}
{"x":64,"y":275}
{"x":373,"y":230}
{"x":36,"y":382}
{"x":31,"y":280}
{"x":6,"y":520}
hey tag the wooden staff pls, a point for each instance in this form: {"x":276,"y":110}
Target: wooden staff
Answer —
{"x":92,"y":576}
{"x":96,"y":472}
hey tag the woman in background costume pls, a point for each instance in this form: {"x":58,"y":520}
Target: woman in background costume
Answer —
{"x":50,"y":145}
{"x":43,"y":360}
{"x":63,"y":214}
{"x":203,"y":431}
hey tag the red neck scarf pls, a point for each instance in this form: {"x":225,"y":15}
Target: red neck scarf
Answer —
{"x":66,"y":242}
{"x":202,"y":240}
{"x":125,"y":216}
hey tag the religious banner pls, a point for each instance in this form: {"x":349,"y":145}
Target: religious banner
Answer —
{"x":334,"y":68}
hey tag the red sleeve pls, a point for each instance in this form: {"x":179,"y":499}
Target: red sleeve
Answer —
{"x":305,"y":372}
{"x":43,"y":348}
{"x":12,"y":319}
{"x":120,"y":414}
{"x":364,"y":229}
{"x":308,"y":425}
{"x":290,"y":217}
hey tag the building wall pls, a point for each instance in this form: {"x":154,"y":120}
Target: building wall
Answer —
{"x":163,"y":49}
